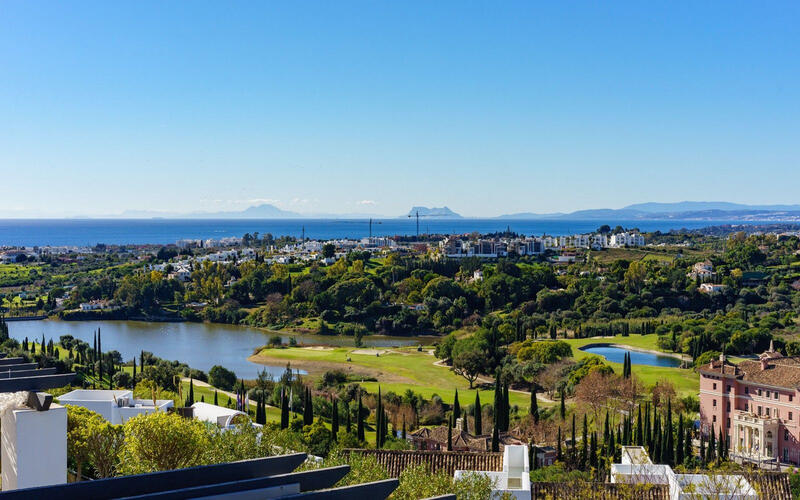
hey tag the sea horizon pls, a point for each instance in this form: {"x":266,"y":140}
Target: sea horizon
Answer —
{"x":158,"y":231}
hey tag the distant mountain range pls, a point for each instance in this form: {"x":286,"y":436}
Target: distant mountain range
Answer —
{"x":684,"y":210}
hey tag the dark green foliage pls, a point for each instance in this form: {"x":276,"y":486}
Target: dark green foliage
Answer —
{"x":478,"y":415}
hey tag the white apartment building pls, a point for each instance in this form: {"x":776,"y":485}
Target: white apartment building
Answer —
{"x":116,"y":406}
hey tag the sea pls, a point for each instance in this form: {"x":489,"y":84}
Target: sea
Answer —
{"x":89,"y":232}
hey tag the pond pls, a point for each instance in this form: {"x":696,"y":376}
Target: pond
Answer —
{"x":617,"y":355}
{"x":200,"y":345}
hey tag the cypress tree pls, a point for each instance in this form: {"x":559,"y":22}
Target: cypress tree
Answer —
{"x":558,"y":446}
{"x":478,"y":415}
{"x":572,"y":454}
{"x":347,"y":422}
{"x":534,"y":405}
{"x":360,"y":421}
{"x":688,"y":452}
{"x":563,"y":407}
{"x":99,"y":356}
{"x":284,"y":408}
{"x":465,"y":423}
{"x":495,"y":439}
{"x":134,"y":375}
{"x":506,"y":408}
{"x":190,"y":397}
{"x":335,"y":419}
{"x":216,"y":398}
{"x":702,"y":448}
{"x":639,"y":433}
{"x":679,"y":445}
{"x":712,"y":444}
{"x":584,"y":443}
{"x":456,"y":407}
{"x":669,"y":447}
{"x":498,"y":401}
{"x":379,"y":421}
{"x":593,"y":451}
{"x":403,"y":435}
{"x":308,"y":408}
{"x":450,"y":434}
{"x":720,"y":446}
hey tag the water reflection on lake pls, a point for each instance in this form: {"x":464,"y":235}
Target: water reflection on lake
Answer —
{"x":200,"y":345}
{"x":617,"y":355}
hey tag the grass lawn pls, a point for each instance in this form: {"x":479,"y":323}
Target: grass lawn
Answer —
{"x":686,"y":381}
{"x":397,"y":370}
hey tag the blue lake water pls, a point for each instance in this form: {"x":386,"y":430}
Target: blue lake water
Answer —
{"x":617,"y":355}
{"x":78,"y":232}
{"x":200,"y":345}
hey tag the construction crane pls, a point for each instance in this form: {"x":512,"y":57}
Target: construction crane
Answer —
{"x":370,"y":226}
{"x":417,"y":215}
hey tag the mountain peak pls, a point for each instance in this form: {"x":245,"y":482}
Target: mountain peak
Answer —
{"x":443,"y":212}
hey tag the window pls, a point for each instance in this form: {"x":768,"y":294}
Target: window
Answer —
{"x":728,"y":425}
{"x":715,"y":386}
{"x":785,"y":435}
{"x":790,"y":398}
{"x":790,"y":415}
{"x":776,"y":395}
{"x":767,"y":393}
{"x":759,"y":410}
{"x":714,"y":418}
{"x":747,"y":390}
{"x":759,"y":392}
{"x":715,"y":403}
{"x":730,"y":388}
{"x":766,"y":411}
{"x":728,"y":406}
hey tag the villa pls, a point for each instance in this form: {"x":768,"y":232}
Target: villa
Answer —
{"x":757,"y":403}
{"x":116,"y":406}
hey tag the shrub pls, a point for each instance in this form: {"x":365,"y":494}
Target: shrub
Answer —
{"x":221,"y":377}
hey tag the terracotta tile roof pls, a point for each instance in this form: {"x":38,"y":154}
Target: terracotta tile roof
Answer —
{"x":395,"y":461}
{"x":779,"y":372}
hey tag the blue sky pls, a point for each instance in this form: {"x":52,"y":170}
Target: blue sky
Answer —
{"x":485,"y":107}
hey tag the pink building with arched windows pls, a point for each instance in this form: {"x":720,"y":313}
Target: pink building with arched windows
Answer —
{"x":756,"y":404}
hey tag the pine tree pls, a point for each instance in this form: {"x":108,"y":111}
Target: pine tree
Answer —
{"x":534,"y":405}
{"x":478,"y":415}
{"x":456,"y":407}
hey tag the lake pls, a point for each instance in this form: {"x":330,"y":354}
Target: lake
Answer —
{"x":617,"y":355}
{"x":200,"y":345}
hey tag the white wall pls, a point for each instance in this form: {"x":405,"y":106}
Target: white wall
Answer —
{"x":34,"y":448}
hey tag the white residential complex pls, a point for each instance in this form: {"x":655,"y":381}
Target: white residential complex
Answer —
{"x":456,"y":247}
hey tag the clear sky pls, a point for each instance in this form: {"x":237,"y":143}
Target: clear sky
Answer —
{"x":346,"y":106}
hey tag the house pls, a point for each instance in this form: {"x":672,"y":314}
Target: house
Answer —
{"x":703,"y":271}
{"x":477,"y":275}
{"x":95,"y":305}
{"x":116,"y":406}
{"x":711,"y":288}
{"x":219,"y":415}
{"x":545,"y":455}
{"x":637,"y":468}
{"x":514,"y":480}
{"x":757,"y":404}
